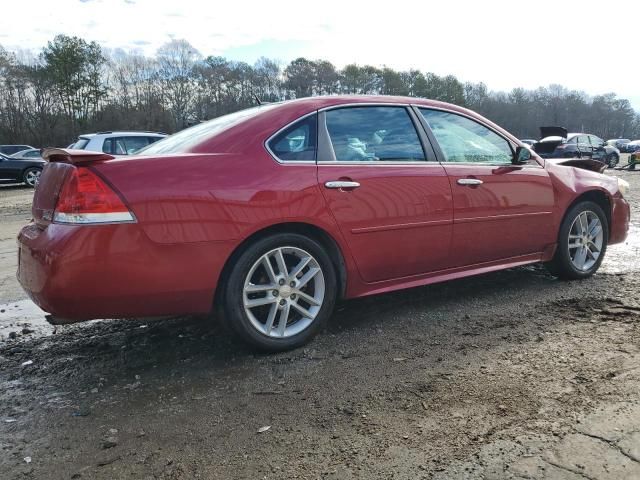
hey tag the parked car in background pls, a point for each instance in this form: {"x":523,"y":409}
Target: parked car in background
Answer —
{"x":632,"y":147}
{"x":618,"y":143}
{"x":29,"y":154}
{"x":273,"y":213}
{"x":11,"y":149}
{"x":528,"y":141}
{"x":556,"y":142}
{"x":20,"y":170}
{"x":116,"y":143}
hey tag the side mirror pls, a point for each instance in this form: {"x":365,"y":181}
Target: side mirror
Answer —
{"x":522,"y":156}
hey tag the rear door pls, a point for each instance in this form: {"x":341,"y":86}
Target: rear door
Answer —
{"x":388,"y":194}
{"x":501,"y":210}
{"x":584,"y":146}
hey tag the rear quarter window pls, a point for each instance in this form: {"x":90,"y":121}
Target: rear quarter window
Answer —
{"x":297,"y":142}
{"x":81,"y":144}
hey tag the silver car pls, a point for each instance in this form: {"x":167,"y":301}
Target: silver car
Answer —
{"x":116,"y":143}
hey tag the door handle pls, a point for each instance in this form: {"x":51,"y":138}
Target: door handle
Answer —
{"x":469,"y":181}
{"x":341,"y":184}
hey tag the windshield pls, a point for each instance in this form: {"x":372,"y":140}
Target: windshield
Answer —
{"x":186,"y":139}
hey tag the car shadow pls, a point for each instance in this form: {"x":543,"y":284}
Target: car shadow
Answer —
{"x":14,"y":186}
{"x":86,"y":350}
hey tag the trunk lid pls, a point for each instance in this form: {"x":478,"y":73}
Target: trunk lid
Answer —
{"x":553,"y":132}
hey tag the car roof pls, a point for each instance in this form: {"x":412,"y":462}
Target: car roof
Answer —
{"x":332,"y":100}
{"x":270,"y":117}
{"x":26,"y":150}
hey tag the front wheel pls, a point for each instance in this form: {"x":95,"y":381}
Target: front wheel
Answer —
{"x":280,"y":291}
{"x":582,"y":242}
{"x":31,"y":176}
{"x":612,"y":160}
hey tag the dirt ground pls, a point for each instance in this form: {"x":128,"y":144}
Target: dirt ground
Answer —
{"x":507,"y":375}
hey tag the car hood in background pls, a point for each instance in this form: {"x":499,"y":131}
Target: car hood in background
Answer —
{"x":553,"y":132}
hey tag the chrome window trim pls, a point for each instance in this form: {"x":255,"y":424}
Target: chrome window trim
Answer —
{"x":279,"y":131}
{"x":373,"y":163}
{"x":364,"y":104}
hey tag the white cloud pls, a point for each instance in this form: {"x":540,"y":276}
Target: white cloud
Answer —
{"x":505,"y":44}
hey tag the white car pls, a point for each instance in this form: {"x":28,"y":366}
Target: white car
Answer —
{"x":116,"y":143}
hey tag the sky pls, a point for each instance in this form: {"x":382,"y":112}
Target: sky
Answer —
{"x":505,"y":44}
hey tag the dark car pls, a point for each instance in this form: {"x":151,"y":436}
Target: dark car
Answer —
{"x":20,"y":170}
{"x":618,"y":143}
{"x":556,"y":142}
{"x":273,"y":213}
{"x":632,"y":147}
{"x":11,"y":149}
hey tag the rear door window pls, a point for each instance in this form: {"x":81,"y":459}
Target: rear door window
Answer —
{"x":383,"y":134}
{"x":124,"y":145}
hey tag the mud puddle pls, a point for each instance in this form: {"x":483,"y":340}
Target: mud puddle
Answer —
{"x":624,"y":257}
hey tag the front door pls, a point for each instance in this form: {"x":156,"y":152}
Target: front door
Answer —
{"x":597,"y":144}
{"x":501,"y":210}
{"x":390,"y":198}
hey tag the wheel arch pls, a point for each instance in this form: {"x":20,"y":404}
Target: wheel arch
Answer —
{"x":307,"y":229}
{"x":600,"y":198}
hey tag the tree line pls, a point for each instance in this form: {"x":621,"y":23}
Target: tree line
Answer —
{"x":73,"y":86}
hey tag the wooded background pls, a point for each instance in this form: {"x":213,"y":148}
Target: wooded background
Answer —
{"x":73,"y":86}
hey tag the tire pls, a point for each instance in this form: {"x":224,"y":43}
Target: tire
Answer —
{"x":566,"y":261}
{"x":612,"y":160}
{"x":254,"y":311}
{"x":31,"y":176}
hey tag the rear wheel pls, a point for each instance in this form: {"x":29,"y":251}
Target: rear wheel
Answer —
{"x":31,"y":176}
{"x":280,"y":292}
{"x":582,"y":242}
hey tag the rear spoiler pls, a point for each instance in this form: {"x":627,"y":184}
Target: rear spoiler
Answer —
{"x":75,"y":157}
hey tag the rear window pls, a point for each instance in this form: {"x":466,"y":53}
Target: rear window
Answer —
{"x":186,"y":139}
{"x":124,"y":145}
{"x":80,"y":144}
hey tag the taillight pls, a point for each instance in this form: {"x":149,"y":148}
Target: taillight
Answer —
{"x":86,"y":198}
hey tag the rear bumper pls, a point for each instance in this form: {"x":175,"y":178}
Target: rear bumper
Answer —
{"x":620,"y":215}
{"x":113,"y":271}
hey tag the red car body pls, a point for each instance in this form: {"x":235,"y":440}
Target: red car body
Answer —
{"x":407,"y":225}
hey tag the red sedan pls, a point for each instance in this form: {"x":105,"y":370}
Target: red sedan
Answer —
{"x":275,"y":212}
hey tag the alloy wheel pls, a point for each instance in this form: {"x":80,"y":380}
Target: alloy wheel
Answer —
{"x":585,"y":240}
{"x":32,"y":176}
{"x":283,"y":292}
